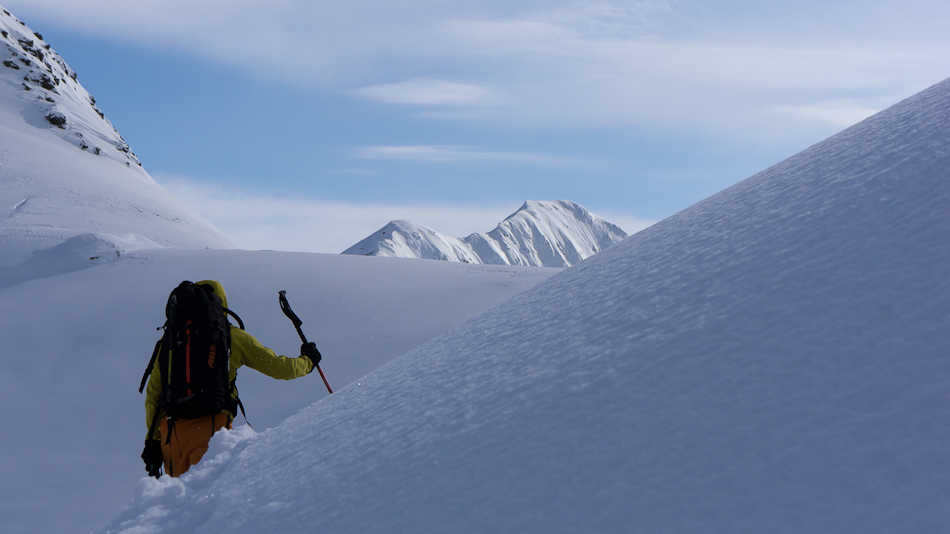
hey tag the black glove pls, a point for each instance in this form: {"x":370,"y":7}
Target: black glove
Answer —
{"x":310,"y":351}
{"x":152,"y":455}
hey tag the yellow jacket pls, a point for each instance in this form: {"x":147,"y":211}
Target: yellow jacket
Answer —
{"x":245,"y":350}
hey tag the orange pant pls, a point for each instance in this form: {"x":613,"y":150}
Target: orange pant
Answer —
{"x":189,"y":441}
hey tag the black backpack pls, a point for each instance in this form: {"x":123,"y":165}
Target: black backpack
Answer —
{"x":193,"y":355}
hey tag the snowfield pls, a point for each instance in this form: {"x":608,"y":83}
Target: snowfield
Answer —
{"x":772,"y":359}
{"x":77,"y":343}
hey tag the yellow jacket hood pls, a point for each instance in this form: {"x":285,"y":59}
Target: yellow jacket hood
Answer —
{"x":217,"y":288}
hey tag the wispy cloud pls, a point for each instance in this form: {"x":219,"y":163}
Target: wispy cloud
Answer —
{"x":261,"y":221}
{"x":658,"y":63}
{"x":840,"y":113}
{"x":431,"y":92}
{"x":457,"y":154}
{"x":256,"y":220}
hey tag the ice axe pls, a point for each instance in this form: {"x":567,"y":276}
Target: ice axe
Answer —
{"x":285,"y":307}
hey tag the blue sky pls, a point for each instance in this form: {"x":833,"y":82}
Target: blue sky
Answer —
{"x":307,"y":125}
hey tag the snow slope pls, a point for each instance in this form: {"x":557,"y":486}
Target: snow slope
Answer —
{"x":541,"y":233}
{"x":772,"y":359}
{"x":77,"y":334}
{"x":64,"y":170}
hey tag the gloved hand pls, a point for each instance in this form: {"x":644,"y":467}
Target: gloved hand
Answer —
{"x":152,"y":455}
{"x":310,"y":351}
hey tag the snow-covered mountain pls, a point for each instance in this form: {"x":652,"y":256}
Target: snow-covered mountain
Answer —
{"x":541,"y":234}
{"x":64,"y":169}
{"x":772,"y":359}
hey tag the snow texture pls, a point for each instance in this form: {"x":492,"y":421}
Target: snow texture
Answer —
{"x":64,"y":170}
{"x":772,"y":359}
{"x":541,"y":234}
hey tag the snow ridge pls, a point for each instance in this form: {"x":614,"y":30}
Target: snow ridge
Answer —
{"x":56,"y":95}
{"x":540,"y":234}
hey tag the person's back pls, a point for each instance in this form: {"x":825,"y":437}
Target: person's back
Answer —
{"x":191,"y":394}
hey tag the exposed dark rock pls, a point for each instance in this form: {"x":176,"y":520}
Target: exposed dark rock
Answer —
{"x":11,"y":64}
{"x":43,"y":80}
{"x":56,"y":118}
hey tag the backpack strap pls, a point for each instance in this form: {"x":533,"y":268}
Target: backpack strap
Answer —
{"x":235,"y":404}
{"x":154,"y":425}
{"x":232,"y":314}
{"x":151,"y":364}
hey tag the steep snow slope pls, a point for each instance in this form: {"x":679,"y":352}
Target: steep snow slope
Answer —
{"x":772,"y":359}
{"x":75,"y":345}
{"x":64,"y":170}
{"x":540,"y":233}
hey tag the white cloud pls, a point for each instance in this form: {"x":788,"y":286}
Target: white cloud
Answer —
{"x":256,"y":221}
{"x":684,"y":65}
{"x":457,"y":154}
{"x":431,"y":92}
{"x":840,"y":113}
{"x":627,"y":223}
{"x":291,"y":223}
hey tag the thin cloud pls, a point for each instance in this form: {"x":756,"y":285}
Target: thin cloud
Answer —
{"x":258,"y":221}
{"x":457,"y":154}
{"x":683,"y":66}
{"x":841,"y":113}
{"x":431,"y":92}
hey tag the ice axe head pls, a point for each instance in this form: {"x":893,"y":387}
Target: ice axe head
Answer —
{"x":285,"y":307}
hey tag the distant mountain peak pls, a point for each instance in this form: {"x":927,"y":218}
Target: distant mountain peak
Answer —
{"x":555,"y":233}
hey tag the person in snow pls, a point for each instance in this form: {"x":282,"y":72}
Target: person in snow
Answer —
{"x":177,"y":444}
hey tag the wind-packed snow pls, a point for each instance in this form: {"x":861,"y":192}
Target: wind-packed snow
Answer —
{"x":772,"y":359}
{"x":64,"y":169}
{"x":541,"y":233}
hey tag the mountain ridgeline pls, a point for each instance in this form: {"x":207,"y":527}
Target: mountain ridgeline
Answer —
{"x":57,"y":97}
{"x":540,"y":234}
{"x":65,"y":172}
